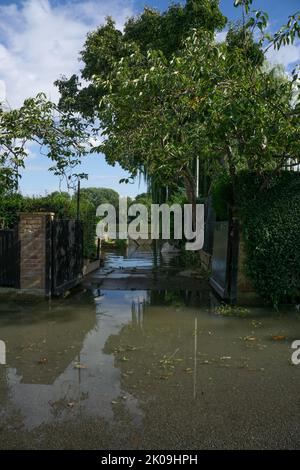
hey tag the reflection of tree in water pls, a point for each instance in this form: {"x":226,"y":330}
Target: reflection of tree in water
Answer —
{"x":155,"y":354}
{"x":157,"y":357}
{"x":59,"y":407}
{"x":43,"y":339}
{"x":175,"y":297}
{"x":4,"y":395}
{"x":52,"y":336}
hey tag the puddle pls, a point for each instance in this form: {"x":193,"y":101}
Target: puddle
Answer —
{"x":142,"y":369}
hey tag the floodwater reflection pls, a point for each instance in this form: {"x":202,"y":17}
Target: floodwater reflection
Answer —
{"x":138,"y":369}
{"x":56,"y":363}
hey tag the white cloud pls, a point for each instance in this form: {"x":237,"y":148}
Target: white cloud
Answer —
{"x":220,"y":37}
{"x":40,"y":40}
{"x":2,"y":91}
{"x":287,"y":55}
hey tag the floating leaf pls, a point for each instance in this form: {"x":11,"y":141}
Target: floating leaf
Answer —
{"x":78,"y":365}
{"x":278,"y":337}
{"x":249,"y":338}
{"x":43,"y":360}
{"x":124,"y":359}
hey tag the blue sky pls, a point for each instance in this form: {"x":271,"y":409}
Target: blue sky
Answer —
{"x":40,"y":40}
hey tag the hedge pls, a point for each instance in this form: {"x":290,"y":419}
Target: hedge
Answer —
{"x":271,"y":229}
{"x":64,"y":207}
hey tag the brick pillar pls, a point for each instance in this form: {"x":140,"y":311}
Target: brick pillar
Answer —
{"x":35,"y":252}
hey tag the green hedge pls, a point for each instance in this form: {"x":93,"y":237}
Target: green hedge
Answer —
{"x":220,"y":191}
{"x":271,"y":229}
{"x":64,"y":207}
{"x":88,"y":219}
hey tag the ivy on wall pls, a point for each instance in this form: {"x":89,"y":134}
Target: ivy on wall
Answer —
{"x":270,"y":216}
{"x":271,"y":229}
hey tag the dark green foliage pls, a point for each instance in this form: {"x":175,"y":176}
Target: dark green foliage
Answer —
{"x":101,"y":196}
{"x":271,"y":229}
{"x":10,"y":205}
{"x":166,"y":31}
{"x":220,"y":191}
{"x":88,"y":219}
{"x":242,"y":44}
{"x":62,"y":204}
{"x":61,"y":135}
{"x":154,"y":30}
{"x":145,"y":199}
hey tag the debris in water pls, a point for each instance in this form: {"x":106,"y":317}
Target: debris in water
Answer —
{"x":43,"y":360}
{"x":78,"y":365}
{"x":249,"y":338}
{"x":231,"y":310}
{"x":124,"y":359}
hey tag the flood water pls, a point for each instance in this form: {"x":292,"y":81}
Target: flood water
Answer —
{"x":147,"y":370}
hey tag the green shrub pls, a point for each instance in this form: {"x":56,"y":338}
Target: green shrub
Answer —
{"x":220,"y":196}
{"x":62,"y":204}
{"x":271,"y":229}
{"x":10,"y":205}
{"x":87,"y":216}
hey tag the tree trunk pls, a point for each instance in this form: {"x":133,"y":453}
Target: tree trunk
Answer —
{"x":190,"y":188}
{"x":232,"y":173}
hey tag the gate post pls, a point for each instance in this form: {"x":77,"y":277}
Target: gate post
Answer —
{"x":35,"y":252}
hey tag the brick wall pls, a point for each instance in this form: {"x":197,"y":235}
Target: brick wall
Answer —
{"x":35,"y":240}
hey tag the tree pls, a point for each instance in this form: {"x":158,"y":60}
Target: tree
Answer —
{"x":151,"y":113}
{"x":145,"y":199}
{"x":151,"y":30}
{"x":164,"y":35}
{"x":162,"y":105}
{"x":253,"y":116}
{"x":100,"y":196}
{"x":250,"y":122}
{"x":60,"y":135}
{"x":217,"y":101}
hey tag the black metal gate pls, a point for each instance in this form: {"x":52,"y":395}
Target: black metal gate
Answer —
{"x":225,"y":259}
{"x":67,"y":254}
{"x":9,"y":258}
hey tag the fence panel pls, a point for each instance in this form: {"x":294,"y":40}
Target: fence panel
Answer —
{"x":225,"y":259}
{"x":67,"y":254}
{"x":9,"y":258}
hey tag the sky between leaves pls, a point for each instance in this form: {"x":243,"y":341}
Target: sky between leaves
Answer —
{"x":40,"y":40}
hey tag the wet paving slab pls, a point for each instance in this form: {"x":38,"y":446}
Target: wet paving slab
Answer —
{"x":128,"y":279}
{"x":141,"y":271}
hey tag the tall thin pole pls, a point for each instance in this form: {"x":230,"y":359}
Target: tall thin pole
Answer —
{"x":197,"y":176}
{"x":78,"y":199}
{"x":195,"y":357}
